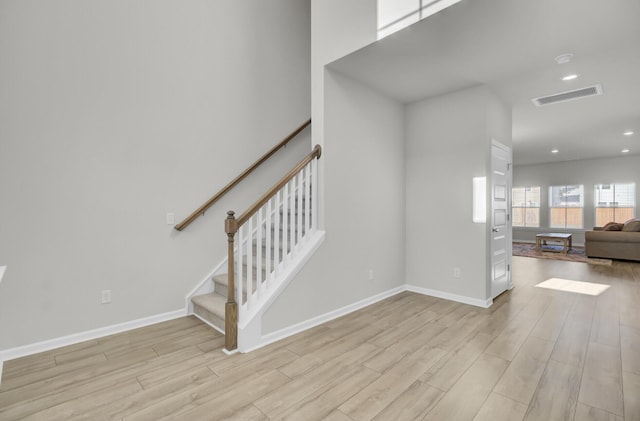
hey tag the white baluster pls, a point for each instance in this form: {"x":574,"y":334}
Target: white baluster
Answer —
{"x":239,"y":258}
{"x":285,"y":222}
{"x":300,"y":198}
{"x":307,"y":201}
{"x":259,"y":265}
{"x":268,"y":226}
{"x":249,"y":254}
{"x":314,"y":194}
{"x":277,"y":244}
{"x":292,"y":216}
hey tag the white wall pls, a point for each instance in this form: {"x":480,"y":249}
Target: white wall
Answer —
{"x":337,"y":28}
{"x":334,"y":277}
{"x":114,"y":113}
{"x":366,"y":185}
{"x":587,"y":172}
{"x":364,"y":207}
{"x":448,"y":142}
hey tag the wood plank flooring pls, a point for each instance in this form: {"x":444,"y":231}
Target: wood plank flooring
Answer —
{"x":536,"y":354}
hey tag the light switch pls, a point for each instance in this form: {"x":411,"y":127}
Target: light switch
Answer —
{"x":171,"y":219}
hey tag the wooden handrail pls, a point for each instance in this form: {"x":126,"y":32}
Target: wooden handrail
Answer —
{"x":202,"y":209}
{"x":317,"y":151}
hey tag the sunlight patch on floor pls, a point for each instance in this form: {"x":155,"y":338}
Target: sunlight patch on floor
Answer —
{"x":566,"y":285}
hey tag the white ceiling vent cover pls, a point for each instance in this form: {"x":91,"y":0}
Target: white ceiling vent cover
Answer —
{"x":568,"y":96}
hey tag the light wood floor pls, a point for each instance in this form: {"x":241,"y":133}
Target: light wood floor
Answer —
{"x":535,"y":354}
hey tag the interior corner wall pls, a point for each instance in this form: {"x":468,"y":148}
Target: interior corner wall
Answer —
{"x":587,"y":172}
{"x":364,"y":207}
{"x":115,"y":113}
{"x":338,"y":28}
{"x":448,"y":142}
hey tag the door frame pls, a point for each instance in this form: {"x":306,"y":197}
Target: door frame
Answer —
{"x":508,"y":226}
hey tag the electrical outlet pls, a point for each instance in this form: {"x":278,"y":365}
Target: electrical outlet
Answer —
{"x":456,"y":272}
{"x":171,"y":219}
{"x":105,"y":296}
{"x":371,"y":274}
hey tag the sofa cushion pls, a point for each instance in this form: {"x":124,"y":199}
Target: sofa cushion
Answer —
{"x":632,"y":225}
{"x":612,"y":237}
{"x":613,"y":226}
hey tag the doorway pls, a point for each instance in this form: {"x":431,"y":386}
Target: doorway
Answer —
{"x":500,"y":219}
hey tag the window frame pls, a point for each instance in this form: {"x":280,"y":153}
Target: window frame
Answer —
{"x":615,"y":202}
{"x":566,"y":206}
{"x":526,"y":206}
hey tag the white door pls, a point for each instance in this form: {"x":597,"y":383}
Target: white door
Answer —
{"x":500,"y":220}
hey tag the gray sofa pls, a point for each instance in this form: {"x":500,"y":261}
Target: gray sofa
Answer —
{"x":623,"y":244}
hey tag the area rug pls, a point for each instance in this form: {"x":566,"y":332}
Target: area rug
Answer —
{"x":576,"y":254}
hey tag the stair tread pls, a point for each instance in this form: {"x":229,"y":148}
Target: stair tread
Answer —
{"x":244,"y":272}
{"x":223,"y":279}
{"x":213,"y":302}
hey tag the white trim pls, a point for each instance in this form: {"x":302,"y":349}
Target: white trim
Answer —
{"x":22,"y":351}
{"x":309,"y":248}
{"x":2,"y":270}
{"x":452,"y":297}
{"x":323,"y":318}
{"x":12,"y":353}
{"x":334,"y":314}
{"x":204,"y":287}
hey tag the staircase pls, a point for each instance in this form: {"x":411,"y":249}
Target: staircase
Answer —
{"x":268,"y":244}
{"x":210,"y":307}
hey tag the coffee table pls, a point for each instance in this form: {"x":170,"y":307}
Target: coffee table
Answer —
{"x":554,"y":236}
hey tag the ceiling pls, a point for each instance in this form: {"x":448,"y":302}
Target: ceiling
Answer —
{"x":510,"y":45}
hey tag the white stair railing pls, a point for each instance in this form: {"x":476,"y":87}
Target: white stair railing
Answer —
{"x":270,"y":237}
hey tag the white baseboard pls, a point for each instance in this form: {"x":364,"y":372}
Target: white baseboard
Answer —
{"x":22,"y":351}
{"x":12,"y":353}
{"x":318,"y":320}
{"x":323,"y":318}
{"x":452,"y":297}
{"x":295,"y":265}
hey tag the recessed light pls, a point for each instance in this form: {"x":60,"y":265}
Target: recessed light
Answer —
{"x":570,"y":77}
{"x":554,"y":151}
{"x":628,"y":133}
{"x":564,"y":58}
{"x":625,"y":151}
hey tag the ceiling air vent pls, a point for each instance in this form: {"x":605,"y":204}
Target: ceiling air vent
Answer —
{"x":568,"y":96}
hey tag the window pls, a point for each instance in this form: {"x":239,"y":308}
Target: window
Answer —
{"x":393,"y":15}
{"x":614,"y":202}
{"x":566,"y":205}
{"x":525,"y":206}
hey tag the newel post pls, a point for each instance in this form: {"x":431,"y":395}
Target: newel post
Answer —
{"x":231,"y":307}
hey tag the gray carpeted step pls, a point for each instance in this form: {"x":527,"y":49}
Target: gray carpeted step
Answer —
{"x":210,"y":307}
